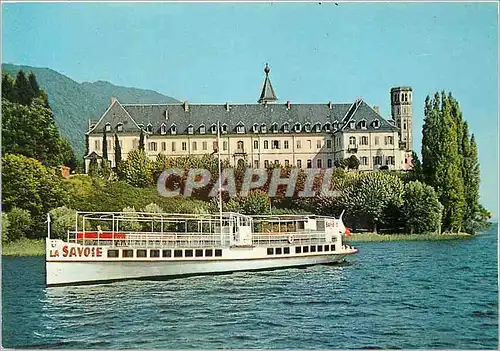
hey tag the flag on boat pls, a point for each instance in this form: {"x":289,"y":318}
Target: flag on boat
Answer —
{"x":348,"y":231}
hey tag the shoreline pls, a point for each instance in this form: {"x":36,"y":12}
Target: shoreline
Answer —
{"x":36,"y":247}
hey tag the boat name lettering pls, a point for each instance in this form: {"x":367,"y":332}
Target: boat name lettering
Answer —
{"x":81,"y":251}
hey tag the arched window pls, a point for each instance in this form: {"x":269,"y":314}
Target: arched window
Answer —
{"x":240,"y":145}
{"x":286,"y":127}
{"x":266,"y":144}
{"x":352,"y":140}
{"x":202,"y":129}
{"x":297,"y":127}
{"x":255,"y":144}
{"x":119,"y":127}
{"x":190,"y":129}
{"x":263,"y":128}
{"x":163,"y":129}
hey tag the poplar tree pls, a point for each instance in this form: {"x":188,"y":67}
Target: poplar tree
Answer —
{"x":104,"y":146}
{"x":24,"y":91}
{"x":141,"y":140}
{"x":118,"y":151}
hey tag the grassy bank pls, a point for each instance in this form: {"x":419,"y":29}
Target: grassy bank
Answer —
{"x":24,"y":247}
{"x":360,"y":237}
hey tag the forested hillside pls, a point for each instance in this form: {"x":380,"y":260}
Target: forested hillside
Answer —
{"x":75,"y":103}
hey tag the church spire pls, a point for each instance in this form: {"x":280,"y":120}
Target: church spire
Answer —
{"x":267,"y":94}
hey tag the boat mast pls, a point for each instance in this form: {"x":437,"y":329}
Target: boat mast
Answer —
{"x":219,"y":182}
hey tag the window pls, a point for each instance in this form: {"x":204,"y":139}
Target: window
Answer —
{"x":404,"y":126}
{"x":224,"y":129}
{"x":297,"y":127}
{"x":274,"y":127}
{"x":208,"y":252}
{"x":108,"y":127}
{"x":97,"y":145}
{"x":389,"y":160}
{"x":376,"y":124}
{"x":318,"y":144}
{"x":364,"y":160}
{"x":299,"y":144}
{"x":256,"y":164}
{"x":163,"y":146}
{"x":166,"y":253}
{"x":266,"y":144}
{"x":377,"y":160}
{"x":218,"y":252}
{"x":152,"y":146}
{"x":255,"y":144}
{"x":389,"y":140}
{"x":202,"y":129}
{"x":327,"y":247}
{"x":213,"y":129}
{"x":376,"y":140}
{"x":305,"y":249}
{"x":328,"y":144}
{"x":266,"y":164}
{"x":329,"y":163}
{"x":364,"y":140}
{"x":307,"y":127}
{"x":328,"y":127}
{"x":177,"y":253}
{"x":317,"y":127}
{"x":190,"y":129}
{"x":184,"y":146}
{"x":204,"y":145}
{"x":240,"y":129}
{"x":298,"y":249}
{"x":362,"y":124}
{"x":276,"y":162}
{"x":319,"y":163}
{"x":352,"y":125}
{"x":320,"y":248}
{"x":278,"y":251}
{"x":173,"y":146}
{"x":127,"y":253}
{"x":119,"y":127}
{"x":335,"y":125}
{"x":285,"y":144}
{"x":309,"y":144}
{"x":352,"y":140}
{"x":112,"y":253}
{"x":270,"y":251}
{"x":240,"y":145}
{"x":333,"y":247}
{"x":313,"y":248}
{"x":309,"y":163}
{"x":188,"y":253}
{"x":141,"y":253}
{"x":199,"y":253}
{"x":275,"y":144}
{"x":173,"y":129}
{"x":163,"y":129}
{"x":299,"y":163}
{"x":224,"y":145}
{"x":255,"y":128}
{"x":154,"y":253}
{"x":287,"y":163}
{"x":263,"y":128}
{"x":195,"y":146}
{"x":286,"y":127}
{"x":286,"y":250}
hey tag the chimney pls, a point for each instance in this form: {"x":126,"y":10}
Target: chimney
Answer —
{"x":227,"y":106}
{"x":112,"y":100}
{"x":330,"y":105}
{"x":288,"y":105}
{"x":166,"y":115}
{"x":376,"y":109}
{"x":186,"y":106}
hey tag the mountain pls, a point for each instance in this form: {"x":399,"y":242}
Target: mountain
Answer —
{"x":75,"y":103}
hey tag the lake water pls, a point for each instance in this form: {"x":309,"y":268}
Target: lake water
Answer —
{"x":433,"y":295}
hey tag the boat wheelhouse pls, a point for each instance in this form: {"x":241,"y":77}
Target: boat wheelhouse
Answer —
{"x":111,"y":246}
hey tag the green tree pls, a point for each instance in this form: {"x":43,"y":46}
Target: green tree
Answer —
{"x":68,"y":157}
{"x":62,"y":220}
{"x":94,"y":169}
{"x":104,"y":146}
{"x":8,"y":87}
{"x":35,"y":88}
{"x":257,"y":202}
{"x":118,"y":151}
{"x":421,"y":210}
{"x":5,"y":227}
{"x":137,"y":169}
{"x":19,"y":224}
{"x":141,"y":140}
{"x":352,"y":162}
{"x":129,"y":224}
{"x":24,"y":92}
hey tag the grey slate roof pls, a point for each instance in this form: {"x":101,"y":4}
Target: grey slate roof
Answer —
{"x":131,"y":116}
{"x":267,"y":94}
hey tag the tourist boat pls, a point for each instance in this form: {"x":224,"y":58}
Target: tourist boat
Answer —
{"x":108,"y":246}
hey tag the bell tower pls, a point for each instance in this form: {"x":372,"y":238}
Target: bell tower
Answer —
{"x":402,"y":114}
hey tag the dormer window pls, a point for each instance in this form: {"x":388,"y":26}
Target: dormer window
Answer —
{"x":107,"y":127}
{"x":173,"y":129}
{"x":274,"y":127}
{"x":255,"y":128}
{"x":317,"y":127}
{"x":296,"y":127}
{"x":119,"y":127}
{"x":240,"y":128}
{"x":307,"y":127}
{"x":224,"y":128}
{"x":263,"y":128}
{"x":213,"y":129}
{"x":352,"y":124}
{"x":286,"y":127}
{"x":335,"y":125}
{"x":362,"y":124}
{"x":190,"y":129}
{"x":163,"y":129}
{"x":150,"y":128}
{"x":202,"y":129}
{"x":328,"y":127}
{"x":376,"y":124}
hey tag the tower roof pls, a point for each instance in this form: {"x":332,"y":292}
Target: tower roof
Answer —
{"x":267,"y":94}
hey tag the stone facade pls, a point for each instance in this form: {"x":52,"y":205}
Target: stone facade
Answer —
{"x":302,"y":135}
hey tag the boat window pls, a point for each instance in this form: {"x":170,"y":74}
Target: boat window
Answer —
{"x":298,"y":249}
{"x":199,"y":253}
{"x":305,"y":249}
{"x":208,"y":253}
{"x":327,"y":247}
{"x":188,"y":253}
{"x":313,"y":248}
{"x":167,"y":253}
{"x":154,"y":253}
{"x":127,"y":253}
{"x":333,"y":247}
{"x":320,"y":248}
{"x":278,"y":251}
{"x":286,"y":250}
{"x":177,"y":253}
{"x":112,"y":253}
{"x":218,"y":252}
{"x":141,"y":253}
{"x":270,"y":251}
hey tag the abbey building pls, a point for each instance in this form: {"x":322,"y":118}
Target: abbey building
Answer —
{"x":263,"y":133}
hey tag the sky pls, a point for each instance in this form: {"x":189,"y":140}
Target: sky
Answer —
{"x":318,"y":52}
